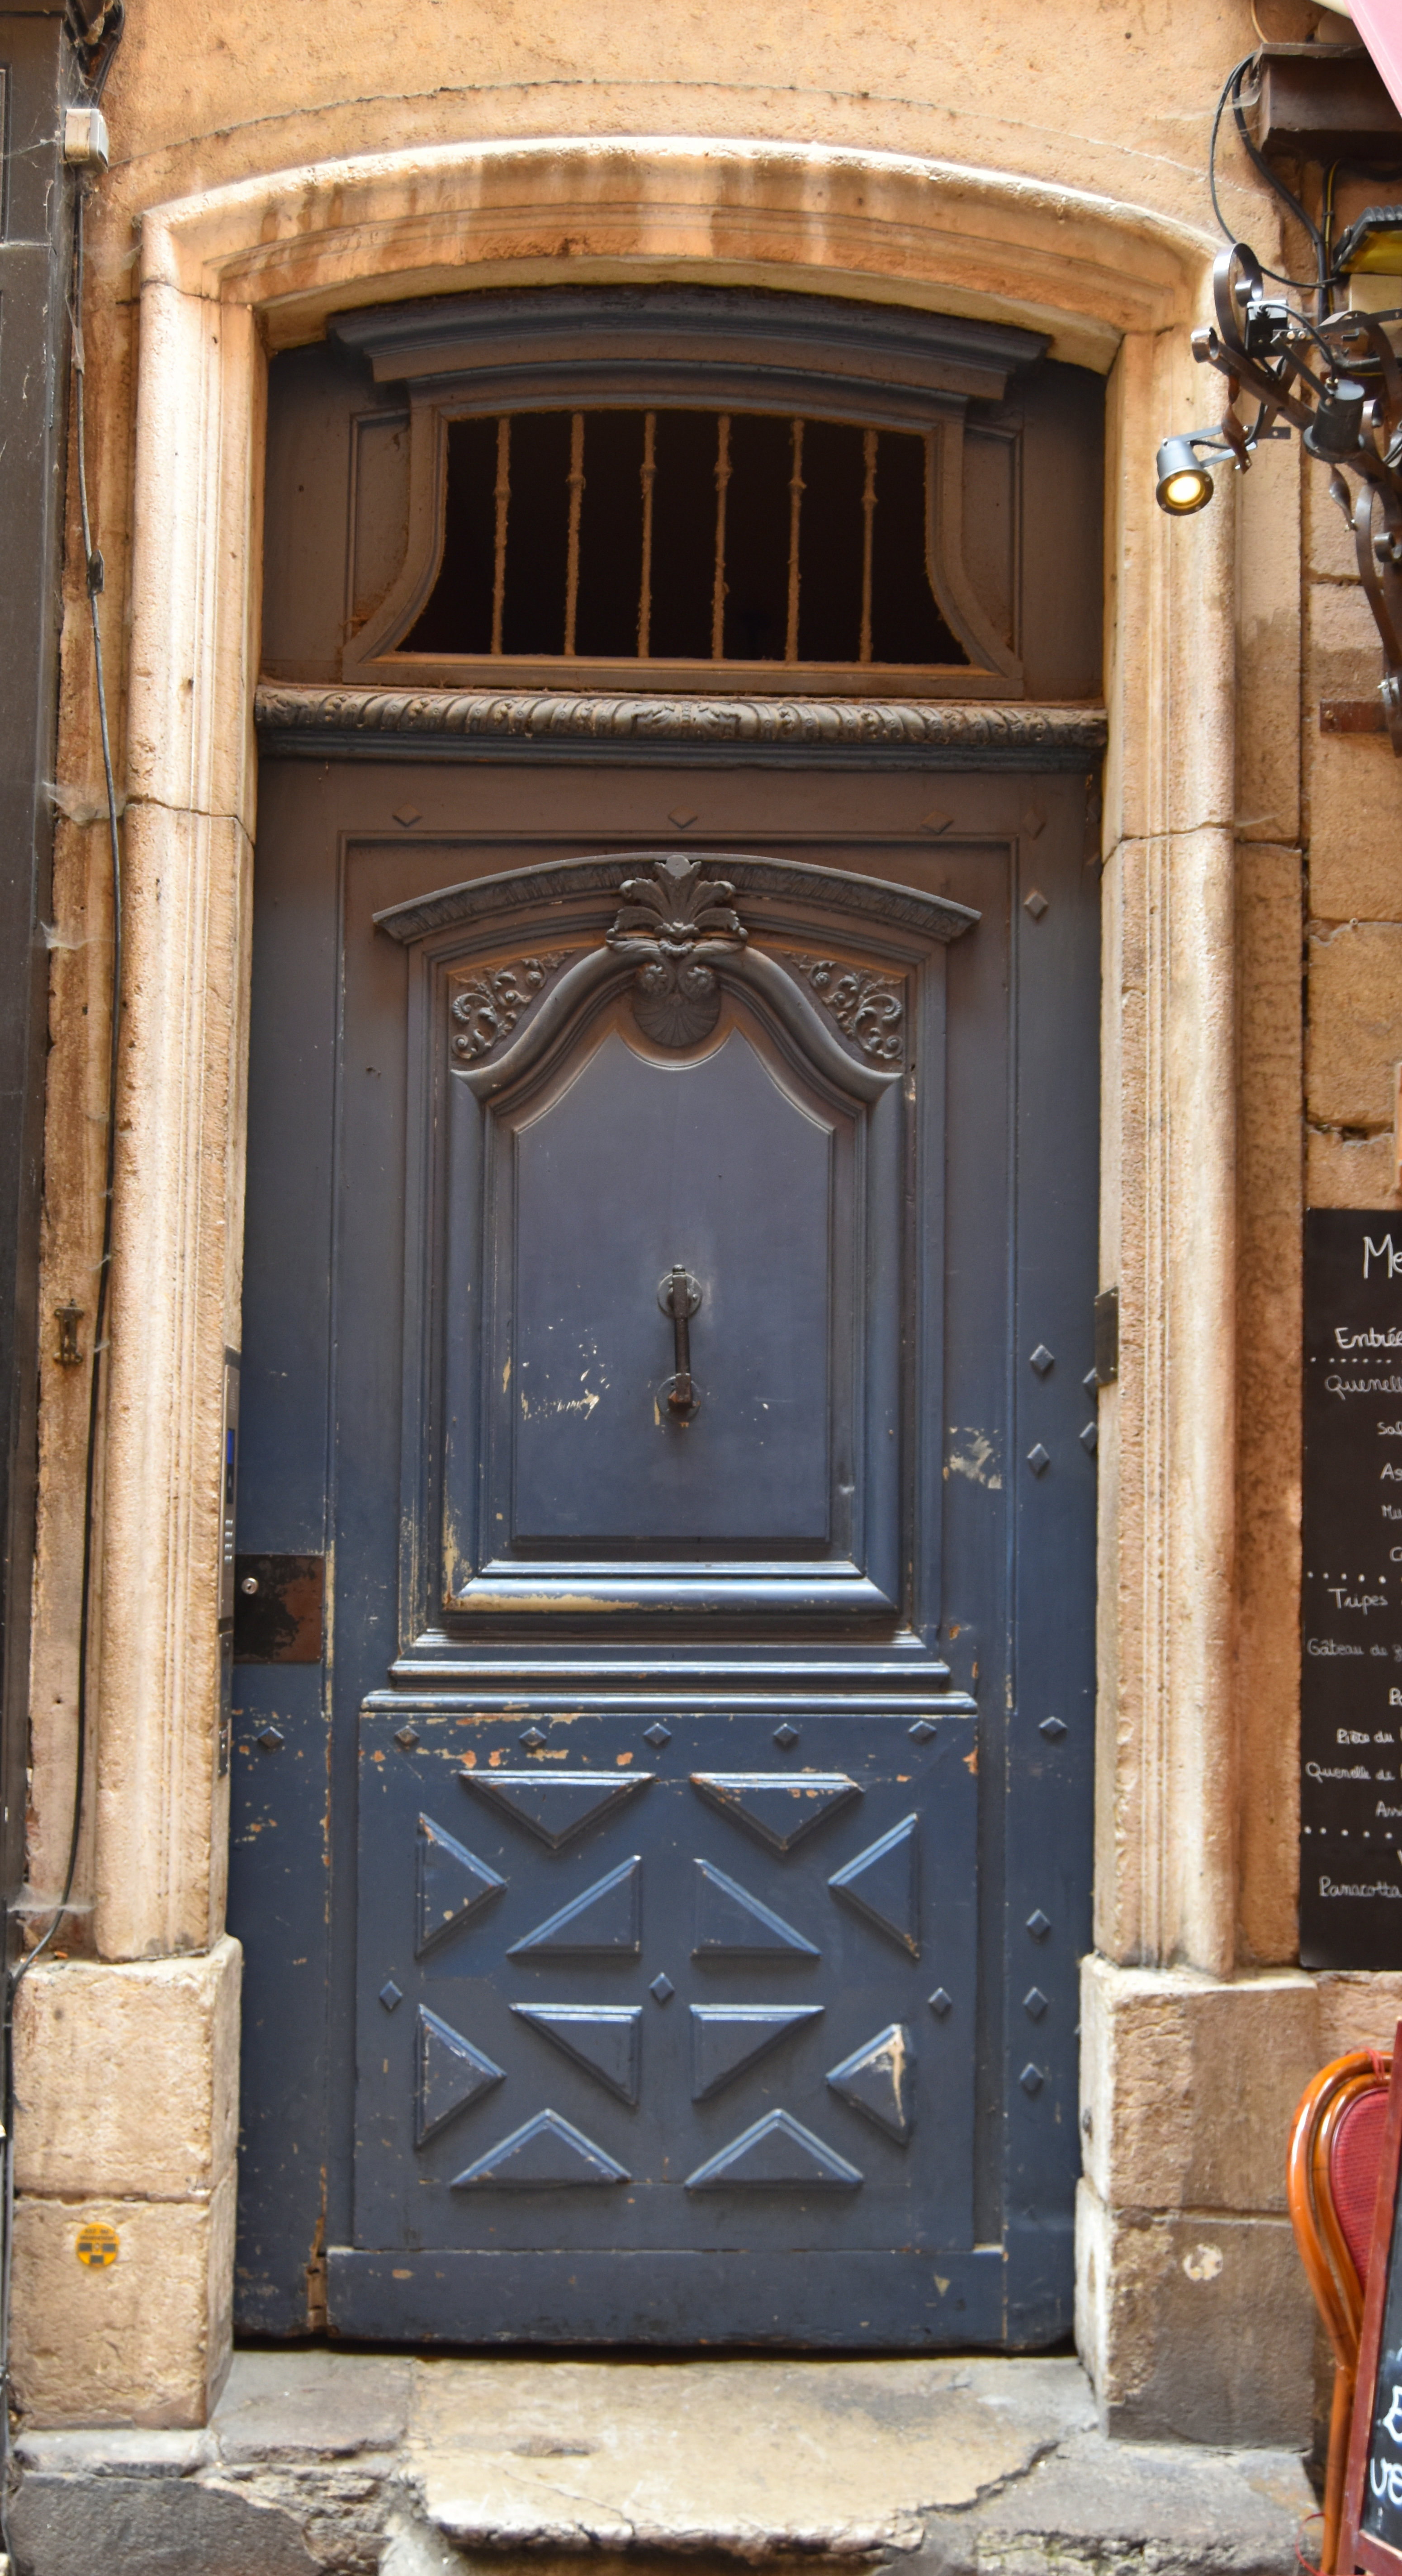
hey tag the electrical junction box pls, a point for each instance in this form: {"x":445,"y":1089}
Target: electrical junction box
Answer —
{"x":1326,"y":103}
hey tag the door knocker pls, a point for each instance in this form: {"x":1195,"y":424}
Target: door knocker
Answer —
{"x":679,"y":1295}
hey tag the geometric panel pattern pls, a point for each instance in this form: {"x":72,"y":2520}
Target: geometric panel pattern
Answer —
{"x":878,"y":2080}
{"x":451,"y":2073}
{"x":779,"y":1806}
{"x":548,"y":2154}
{"x":883,"y":1883}
{"x":605,"y":2039}
{"x":777,"y":2154}
{"x":555,"y":1805}
{"x":726,"y":2038}
{"x":608,"y":1916}
{"x":783,"y":2012}
{"x":452,"y":1884}
{"x":729,"y":1921}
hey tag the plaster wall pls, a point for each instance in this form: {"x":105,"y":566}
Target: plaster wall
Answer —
{"x":1032,"y":159}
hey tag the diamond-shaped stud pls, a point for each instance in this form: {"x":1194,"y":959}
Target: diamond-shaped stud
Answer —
{"x":784,"y":1736}
{"x":1090,"y":1381}
{"x":1039,"y":1459}
{"x":271,"y":1738}
{"x":663,"y":1989}
{"x":1032,"y":2079}
{"x":1039,"y":1925}
{"x":390,"y":1995}
{"x":923,"y":1729}
{"x":408,"y":1736}
{"x":941,"y":2003}
{"x":1053,"y":1728}
{"x":407,"y":814}
{"x":1032,"y":822}
{"x":1090,"y":1438}
{"x":681,"y":815}
{"x":657,"y":1734}
{"x":1035,"y":903}
{"x":532,"y":1739}
{"x":1042,"y":1359}
{"x":1034,"y":2002}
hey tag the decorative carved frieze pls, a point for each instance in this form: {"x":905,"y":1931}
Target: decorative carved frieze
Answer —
{"x":869,"y":1009}
{"x":488,"y":1007}
{"x":485,"y":716}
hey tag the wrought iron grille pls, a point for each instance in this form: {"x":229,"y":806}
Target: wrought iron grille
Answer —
{"x":685,"y":536}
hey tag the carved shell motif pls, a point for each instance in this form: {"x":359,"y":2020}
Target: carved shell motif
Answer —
{"x":868,"y":1008}
{"x":488,"y":1007}
{"x":676,"y":997}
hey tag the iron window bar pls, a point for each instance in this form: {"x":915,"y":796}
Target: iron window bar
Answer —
{"x":886,"y":496}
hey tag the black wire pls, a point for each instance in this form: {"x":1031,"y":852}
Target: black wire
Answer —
{"x":1286,"y":195}
{"x":13,"y":1981}
{"x":1231,"y":88}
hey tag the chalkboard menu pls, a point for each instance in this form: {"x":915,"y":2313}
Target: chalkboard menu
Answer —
{"x":1371,"y":2536}
{"x":1351,"y":1681}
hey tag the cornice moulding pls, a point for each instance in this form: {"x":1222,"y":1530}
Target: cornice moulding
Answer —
{"x":296,"y":719}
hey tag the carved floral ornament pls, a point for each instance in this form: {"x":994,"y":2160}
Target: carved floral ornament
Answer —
{"x":867,"y":1008}
{"x":662,"y":920}
{"x":670,"y":926}
{"x":489,"y":1006}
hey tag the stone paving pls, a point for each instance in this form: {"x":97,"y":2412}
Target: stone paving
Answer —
{"x":347,"y":2463}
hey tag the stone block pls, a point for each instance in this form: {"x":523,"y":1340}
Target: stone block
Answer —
{"x":1190,"y":2086}
{"x":280,"y":2404}
{"x":1354,"y":1037}
{"x":1358,"y":2009}
{"x":1268,"y":648}
{"x":1330,"y":553}
{"x":127,"y":2077}
{"x":1095,"y":2505}
{"x":67,"y":2526}
{"x":1354,"y":785}
{"x":1352,"y":782}
{"x":1195,"y":2327}
{"x":1270,"y":1180}
{"x":1350,"y":1171}
{"x":1341,"y":646}
{"x":144,"y":2341}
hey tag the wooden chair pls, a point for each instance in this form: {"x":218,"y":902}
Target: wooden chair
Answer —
{"x":1335,"y":2149}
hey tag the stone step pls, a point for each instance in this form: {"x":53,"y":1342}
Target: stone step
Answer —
{"x":344,"y":2463}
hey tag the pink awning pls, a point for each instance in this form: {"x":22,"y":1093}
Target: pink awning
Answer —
{"x":1379,"y":23}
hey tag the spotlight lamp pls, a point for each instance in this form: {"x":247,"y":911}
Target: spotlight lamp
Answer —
{"x":1339,"y":383}
{"x":1183,"y":485}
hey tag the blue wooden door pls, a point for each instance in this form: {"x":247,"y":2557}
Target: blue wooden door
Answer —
{"x":668,"y":1307}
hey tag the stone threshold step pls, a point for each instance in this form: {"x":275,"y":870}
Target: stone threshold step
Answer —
{"x":324,"y":2463}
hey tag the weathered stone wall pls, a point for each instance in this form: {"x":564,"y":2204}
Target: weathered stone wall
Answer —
{"x":1050,"y":166}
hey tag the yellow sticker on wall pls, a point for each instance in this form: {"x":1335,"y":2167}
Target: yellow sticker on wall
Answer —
{"x":97,"y":2246}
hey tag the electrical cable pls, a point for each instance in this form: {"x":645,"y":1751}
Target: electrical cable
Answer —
{"x":15,"y":1979}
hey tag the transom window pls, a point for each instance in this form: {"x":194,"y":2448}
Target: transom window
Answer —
{"x":691,"y":490}
{"x":686,"y":536}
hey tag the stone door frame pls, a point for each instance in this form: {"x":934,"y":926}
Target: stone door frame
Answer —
{"x":229,"y":275}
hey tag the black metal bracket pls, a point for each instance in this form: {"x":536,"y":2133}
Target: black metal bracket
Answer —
{"x":1338,"y":382}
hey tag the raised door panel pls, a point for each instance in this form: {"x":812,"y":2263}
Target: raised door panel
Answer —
{"x":666,"y":1981}
{"x":637,"y":1165}
{"x":728,"y":1111}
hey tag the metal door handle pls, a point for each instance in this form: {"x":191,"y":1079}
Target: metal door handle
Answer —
{"x":680,"y":1296}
